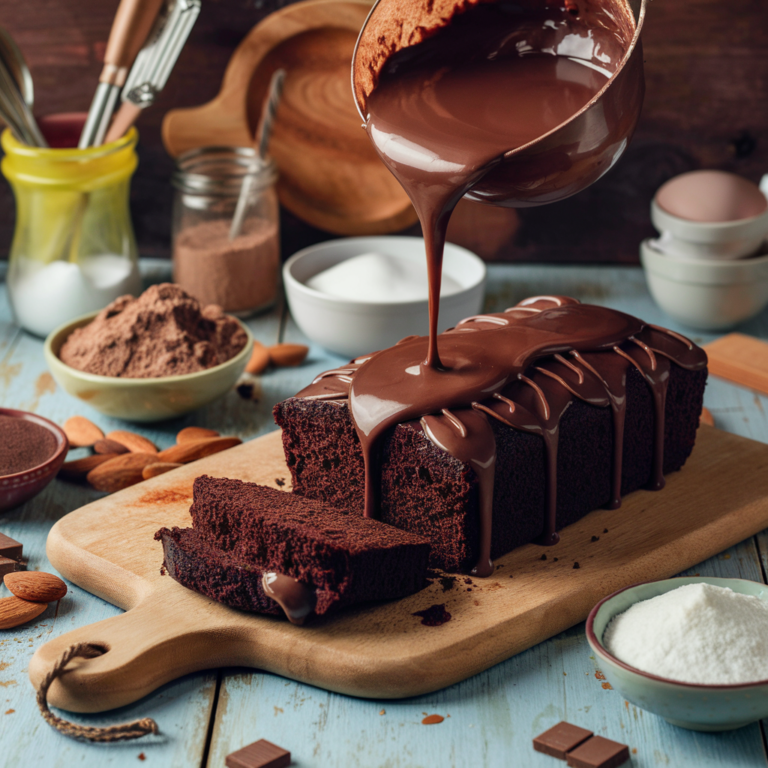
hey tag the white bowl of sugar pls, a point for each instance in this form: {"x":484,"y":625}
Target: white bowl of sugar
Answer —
{"x":361,"y":294}
{"x":693,"y":650}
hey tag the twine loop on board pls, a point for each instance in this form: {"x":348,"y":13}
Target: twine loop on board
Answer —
{"x":122,"y":732}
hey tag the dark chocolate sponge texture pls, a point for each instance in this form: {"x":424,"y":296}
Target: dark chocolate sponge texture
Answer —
{"x":242,"y":531}
{"x":196,"y":564}
{"x":427,"y":491}
{"x":622,"y":416}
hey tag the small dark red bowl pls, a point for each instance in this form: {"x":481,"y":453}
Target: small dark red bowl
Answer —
{"x":21,"y":486}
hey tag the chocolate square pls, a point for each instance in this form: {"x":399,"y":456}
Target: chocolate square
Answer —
{"x":7,"y":566}
{"x":260,"y":754}
{"x":560,"y":739}
{"x":10,"y":547}
{"x":598,"y":752}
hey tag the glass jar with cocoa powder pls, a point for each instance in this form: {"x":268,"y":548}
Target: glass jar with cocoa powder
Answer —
{"x":241,"y":274}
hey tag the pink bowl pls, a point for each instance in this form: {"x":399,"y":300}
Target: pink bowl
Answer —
{"x":20,"y":487}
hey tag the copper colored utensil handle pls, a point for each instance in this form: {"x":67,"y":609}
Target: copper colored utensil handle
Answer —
{"x":130,"y":28}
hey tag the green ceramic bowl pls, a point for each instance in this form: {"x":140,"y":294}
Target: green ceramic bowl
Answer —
{"x":689,"y":705}
{"x":143,"y":399}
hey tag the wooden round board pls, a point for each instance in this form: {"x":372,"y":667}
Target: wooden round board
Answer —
{"x":330,"y":175}
{"x":378,"y":650}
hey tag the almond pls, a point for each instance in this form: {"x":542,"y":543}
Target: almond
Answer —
{"x":133,"y":442}
{"x":153,"y":470}
{"x":79,"y":468}
{"x":187,"y":452}
{"x":286,"y":355}
{"x":120,"y":471}
{"x":15,"y":611}
{"x":36,"y":586}
{"x":107,"y":446}
{"x":81,"y":432}
{"x":259,"y":359}
{"x":193,"y":434}
{"x":707,"y":417}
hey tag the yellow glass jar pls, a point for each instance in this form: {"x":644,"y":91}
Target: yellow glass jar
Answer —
{"x":73,"y":247}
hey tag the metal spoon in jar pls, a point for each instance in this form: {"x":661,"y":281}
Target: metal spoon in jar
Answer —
{"x":17,"y":93}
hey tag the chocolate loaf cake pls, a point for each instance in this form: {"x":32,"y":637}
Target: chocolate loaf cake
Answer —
{"x":566,"y":433}
{"x":252,"y":547}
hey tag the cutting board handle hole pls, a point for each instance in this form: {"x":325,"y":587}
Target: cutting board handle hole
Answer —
{"x":97,"y":649}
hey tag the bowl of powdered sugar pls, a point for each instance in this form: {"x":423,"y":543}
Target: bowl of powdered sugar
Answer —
{"x":692,"y":650}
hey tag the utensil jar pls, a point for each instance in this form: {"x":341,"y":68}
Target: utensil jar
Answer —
{"x":73,"y":248}
{"x":240,"y":275}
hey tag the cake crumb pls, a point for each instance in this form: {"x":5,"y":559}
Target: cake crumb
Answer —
{"x":447,"y":582}
{"x":599,"y":675}
{"x":576,"y":565}
{"x":543,"y":557}
{"x":555,"y":559}
{"x":383,"y":712}
{"x":434,"y":616}
{"x":605,"y":530}
{"x":279,"y":482}
{"x":607,"y":687}
{"x":10,"y":711}
{"x":142,"y":756}
{"x":245,"y":390}
{"x":595,"y":538}
{"x":432,"y":720}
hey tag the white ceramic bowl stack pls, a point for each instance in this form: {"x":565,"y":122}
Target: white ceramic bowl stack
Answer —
{"x":709,"y":275}
{"x":353,"y":328}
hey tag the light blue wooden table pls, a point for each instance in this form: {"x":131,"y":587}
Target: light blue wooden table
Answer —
{"x":490,"y":719}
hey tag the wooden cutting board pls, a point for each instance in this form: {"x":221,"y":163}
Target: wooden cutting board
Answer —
{"x":380,"y":651}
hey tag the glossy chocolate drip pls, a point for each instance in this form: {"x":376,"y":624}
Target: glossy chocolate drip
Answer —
{"x":295,"y":598}
{"x":612,"y":374}
{"x":470,"y":439}
{"x":445,"y":112}
{"x":522,"y":367}
{"x":445,"y":115}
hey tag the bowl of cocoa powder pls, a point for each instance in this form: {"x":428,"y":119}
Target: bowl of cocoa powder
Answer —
{"x":32,"y":449}
{"x":150,"y":358}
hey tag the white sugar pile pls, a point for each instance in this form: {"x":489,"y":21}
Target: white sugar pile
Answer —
{"x":378,"y":277}
{"x":698,"y":633}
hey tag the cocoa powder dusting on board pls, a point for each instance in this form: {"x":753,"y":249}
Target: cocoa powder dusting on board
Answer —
{"x":165,"y":332}
{"x":434,"y":616}
{"x":167,"y":496}
{"x":23,"y":445}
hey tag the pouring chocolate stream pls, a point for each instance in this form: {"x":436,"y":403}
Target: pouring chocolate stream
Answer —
{"x":445,"y":115}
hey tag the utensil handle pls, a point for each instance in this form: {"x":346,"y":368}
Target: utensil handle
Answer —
{"x":145,"y":647}
{"x":133,"y":20}
{"x":124,"y":118}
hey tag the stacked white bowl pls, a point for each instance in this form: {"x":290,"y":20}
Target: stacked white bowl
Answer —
{"x":708,"y":269}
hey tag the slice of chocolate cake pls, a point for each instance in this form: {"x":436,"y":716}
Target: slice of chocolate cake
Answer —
{"x":252,"y":547}
{"x":196,"y":564}
{"x":580,"y":406}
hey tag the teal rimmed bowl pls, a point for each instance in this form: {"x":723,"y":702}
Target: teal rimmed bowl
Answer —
{"x":688,"y":705}
{"x":143,"y":399}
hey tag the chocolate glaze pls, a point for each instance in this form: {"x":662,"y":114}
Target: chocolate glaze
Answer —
{"x":295,"y":598}
{"x":522,"y":367}
{"x":445,"y":112}
{"x":448,"y":116}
